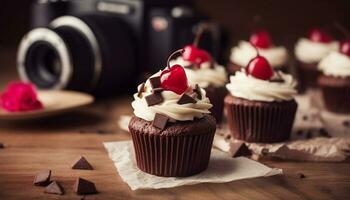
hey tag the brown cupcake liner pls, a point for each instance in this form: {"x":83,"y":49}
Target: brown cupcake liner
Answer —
{"x":172,"y":156}
{"x":307,"y":75}
{"x":336,"y":93}
{"x":216,"y":96}
{"x":260,"y":121}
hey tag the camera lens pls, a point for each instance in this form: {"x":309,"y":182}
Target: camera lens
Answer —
{"x":43,"y":64}
{"x":90,"y":53}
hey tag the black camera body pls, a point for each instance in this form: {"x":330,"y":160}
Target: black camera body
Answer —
{"x":105,"y":47}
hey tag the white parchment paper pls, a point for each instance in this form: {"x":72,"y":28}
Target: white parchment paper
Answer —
{"x":222,"y":168}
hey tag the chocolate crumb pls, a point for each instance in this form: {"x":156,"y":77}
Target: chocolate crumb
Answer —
{"x":239,"y":149}
{"x":154,"y":99}
{"x":2,"y":145}
{"x":300,"y":132}
{"x":184,"y":99}
{"x":305,"y":117}
{"x":155,"y":82}
{"x":323,"y":132}
{"x":82,"y":163}
{"x":42,"y":178}
{"x":300,"y":175}
{"x":197,"y":90}
{"x":227,"y":137}
{"x":141,"y":90}
{"x":346,"y":123}
{"x":54,"y":188}
{"x":160,"y":121}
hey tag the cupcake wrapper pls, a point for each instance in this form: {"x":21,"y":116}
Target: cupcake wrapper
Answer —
{"x":216,"y":96}
{"x":336,"y":99}
{"x":172,"y":156}
{"x":307,"y":74}
{"x":261,"y":123}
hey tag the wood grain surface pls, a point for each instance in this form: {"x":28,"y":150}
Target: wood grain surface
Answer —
{"x":55,"y":143}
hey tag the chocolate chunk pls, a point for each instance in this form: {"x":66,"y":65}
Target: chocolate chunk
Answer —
{"x":300,"y":175}
{"x":157,"y":90}
{"x":141,"y":90}
{"x":309,"y":134}
{"x":42,"y":178}
{"x":264,"y":151}
{"x":155,"y":82}
{"x":197,"y":90}
{"x":184,"y":99}
{"x":54,"y":188}
{"x":323,"y":132}
{"x":239,"y":149}
{"x":83,"y":186}
{"x":2,"y":145}
{"x":160,"y":121}
{"x":82,"y":163}
{"x":305,"y":117}
{"x":277,"y":80}
{"x":300,"y":132}
{"x":227,"y":137}
{"x":154,"y":99}
{"x":346,"y":123}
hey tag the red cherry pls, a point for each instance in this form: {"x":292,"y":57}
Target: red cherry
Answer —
{"x":259,"y":68}
{"x":345,"y":47}
{"x":174,"y":79}
{"x":195,"y":55}
{"x":261,"y":39}
{"x":319,"y":35}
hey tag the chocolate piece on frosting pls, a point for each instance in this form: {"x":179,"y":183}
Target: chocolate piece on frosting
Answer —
{"x":277,"y":79}
{"x":157,"y":90}
{"x":239,"y":149}
{"x":160,"y":121}
{"x":186,"y":99}
{"x":154,"y":99}
{"x":155,"y":82}
{"x":197,"y":90}
{"x":141,"y":90}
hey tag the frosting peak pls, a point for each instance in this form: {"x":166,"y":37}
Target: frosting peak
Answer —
{"x":309,"y":51}
{"x":244,"y":52}
{"x":170,"y":106}
{"x":335,"y":64}
{"x":247,"y":87}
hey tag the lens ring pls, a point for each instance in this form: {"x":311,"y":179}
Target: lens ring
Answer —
{"x":47,"y":36}
{"x":84,"y":29}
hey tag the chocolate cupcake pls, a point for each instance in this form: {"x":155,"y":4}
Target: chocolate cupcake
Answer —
{"x":334,"y":81}
{"x":309,"y":52}
{"x":244,"y":52}
{"x":260,"y":106}
{"x":172,"y":130}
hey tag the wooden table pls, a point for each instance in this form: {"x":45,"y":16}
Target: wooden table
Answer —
{"x":55,"y":143}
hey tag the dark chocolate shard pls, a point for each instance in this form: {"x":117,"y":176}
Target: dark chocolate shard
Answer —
{"x":300,"y":175}
{"x":54,"y":188}
{"x":2,"y":145}
{"x":42,"y":178}
{"x":155,"y":82}
{"x":82,"y":163}
{"x":83,"y":186}
{"x":160,"y":121}
{"x":141,"y":90}
{"x":157,"y":90}
{"x":154,"y":99}
{"x":277,"y":78}
{"x":197,"y":90}
{"x":239,"y":149}
{"x":184,"y":99}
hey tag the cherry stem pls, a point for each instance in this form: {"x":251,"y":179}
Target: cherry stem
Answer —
{"x":180,"y":51}
{"x":201,"y":28}
{"x":342,"y":29}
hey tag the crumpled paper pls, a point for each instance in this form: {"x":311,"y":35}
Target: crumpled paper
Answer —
{"x":222,"y":168}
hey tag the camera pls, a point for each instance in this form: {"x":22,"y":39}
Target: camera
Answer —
{"x":105,"y":47}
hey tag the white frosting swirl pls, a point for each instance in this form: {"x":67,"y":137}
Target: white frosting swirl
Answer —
{"x":335,"y":64}
{"x":205,"y":75}
{"x":250,"y":88}
{"x":169,"y":106}
{"x":308,"y":51}
{"x":244,"y":52}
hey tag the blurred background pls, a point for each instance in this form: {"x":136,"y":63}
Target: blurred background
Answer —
{"x":286,"y":20}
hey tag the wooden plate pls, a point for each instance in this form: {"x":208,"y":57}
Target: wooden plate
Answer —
{"x":55,"y":102}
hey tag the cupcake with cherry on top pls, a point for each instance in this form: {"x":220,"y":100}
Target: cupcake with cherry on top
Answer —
{"x":172,"y":130}
{"x":240,"y":56}
{"x":261,"y":105}
{"x":309,"y":51}
{"x":201,"y":69}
